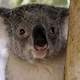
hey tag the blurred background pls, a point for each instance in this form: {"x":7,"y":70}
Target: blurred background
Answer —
{"x":16,"y":3}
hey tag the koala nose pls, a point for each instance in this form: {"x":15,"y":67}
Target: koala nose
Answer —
{"x":39,"y":37}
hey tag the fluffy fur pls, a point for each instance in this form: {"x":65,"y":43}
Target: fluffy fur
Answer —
{"x":21,"y":47}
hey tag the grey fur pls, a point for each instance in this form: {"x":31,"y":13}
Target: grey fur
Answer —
{"x":27,"y":17}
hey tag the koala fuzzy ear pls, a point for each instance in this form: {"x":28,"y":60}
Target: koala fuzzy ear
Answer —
{"x":64,"y":12}
{"x":4,"y":12}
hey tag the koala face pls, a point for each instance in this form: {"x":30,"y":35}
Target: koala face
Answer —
{"x":36,"y":31}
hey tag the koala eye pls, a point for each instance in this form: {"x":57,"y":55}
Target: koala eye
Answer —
{"x":22,"y":32}
{"x":52,"y":30}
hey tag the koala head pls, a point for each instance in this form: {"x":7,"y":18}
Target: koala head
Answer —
{"x":35,"y":31}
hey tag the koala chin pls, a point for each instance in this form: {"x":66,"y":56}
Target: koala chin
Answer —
{"x":37,"y":42}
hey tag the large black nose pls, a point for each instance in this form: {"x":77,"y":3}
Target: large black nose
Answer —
{"x":39,"y":36}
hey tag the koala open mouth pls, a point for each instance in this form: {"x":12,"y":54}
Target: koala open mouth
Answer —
{"x":40,"y":41}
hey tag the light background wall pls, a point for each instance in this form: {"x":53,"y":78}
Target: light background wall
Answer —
{"x":14,"y":3}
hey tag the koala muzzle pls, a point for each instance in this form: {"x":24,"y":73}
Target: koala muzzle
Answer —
{"x":39,"y":37}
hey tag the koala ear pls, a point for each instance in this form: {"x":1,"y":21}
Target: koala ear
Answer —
{"x":5,"y":13}
{"x":64,"y":12}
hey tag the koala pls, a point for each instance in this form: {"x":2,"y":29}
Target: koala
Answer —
{"x":37,"y":42}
